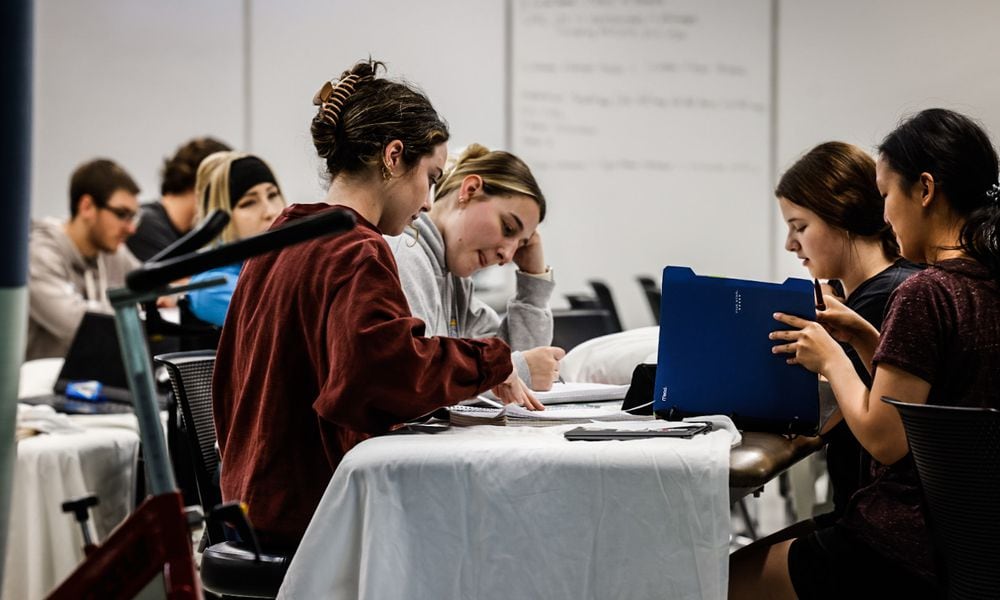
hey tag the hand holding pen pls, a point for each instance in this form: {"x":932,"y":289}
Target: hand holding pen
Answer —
{"x":844,"y":324}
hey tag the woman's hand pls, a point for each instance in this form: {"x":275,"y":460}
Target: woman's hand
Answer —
{"x":811,"y":344}
{"x":530,"y":258}
{"x":514,"y":391}
{"x":543,"y":366}
{"x":844,"y":324}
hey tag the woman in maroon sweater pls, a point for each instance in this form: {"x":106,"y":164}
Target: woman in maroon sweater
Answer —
{"x":940,"y":344}
{"x":319,"y":350}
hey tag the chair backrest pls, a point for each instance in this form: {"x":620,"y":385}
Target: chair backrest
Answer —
{"x":572,"y":327}
{"x":583,"y":301}
{"x":957,"y":454}
{"x":603,"y":293}
{"x":653,"y":295}
{"x":191,"y":381}
{"x":196,"y":334}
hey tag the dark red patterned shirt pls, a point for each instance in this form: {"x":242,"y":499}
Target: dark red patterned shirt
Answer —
{"x":943,"y":325}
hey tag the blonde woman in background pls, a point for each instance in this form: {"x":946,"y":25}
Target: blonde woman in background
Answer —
{"x":486,"y":212}
{"x":244,"y":186}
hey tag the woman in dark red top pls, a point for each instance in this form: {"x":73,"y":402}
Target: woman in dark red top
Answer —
{"x":940,"y":343}
{"x":319,"y":350}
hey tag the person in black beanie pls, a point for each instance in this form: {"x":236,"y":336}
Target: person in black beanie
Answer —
{"x":244,"y":186}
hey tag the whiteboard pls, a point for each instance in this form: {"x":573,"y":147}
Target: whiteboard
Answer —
{"x":648,"y":125}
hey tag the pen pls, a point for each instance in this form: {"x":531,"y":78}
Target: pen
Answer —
{"x":820,"y":305}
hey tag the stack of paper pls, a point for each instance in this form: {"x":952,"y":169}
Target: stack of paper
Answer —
{"x":513,"y":414}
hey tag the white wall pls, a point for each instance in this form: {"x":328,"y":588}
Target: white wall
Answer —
{"x":132,"y":79}
{"x":298,"y":44}
{"x":849,"y":70}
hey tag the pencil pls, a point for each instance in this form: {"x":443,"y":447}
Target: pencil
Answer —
{"x":820,"y":305}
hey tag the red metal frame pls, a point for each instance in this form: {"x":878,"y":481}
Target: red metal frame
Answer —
{"x":153,"y":540}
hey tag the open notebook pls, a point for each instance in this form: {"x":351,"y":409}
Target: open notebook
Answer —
{"x":513,"y":414}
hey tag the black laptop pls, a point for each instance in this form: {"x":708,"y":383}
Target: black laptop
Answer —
{"x":92,"y":379}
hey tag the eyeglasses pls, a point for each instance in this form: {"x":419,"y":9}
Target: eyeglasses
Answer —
{"x":123,"y":214}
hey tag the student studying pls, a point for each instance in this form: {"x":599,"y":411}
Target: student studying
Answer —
{"x":74,"y":263}
{"x":244,"y":187}
{"x":940,"y":344}
{"x":164,"y":221}
{"x":320,"y":351}
{"x":486,"y":212}
{"x":834,"y":213}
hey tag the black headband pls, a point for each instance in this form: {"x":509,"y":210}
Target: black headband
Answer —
{"x":246,"y":173}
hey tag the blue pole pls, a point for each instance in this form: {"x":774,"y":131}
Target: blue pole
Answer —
{"x":15,"y":171}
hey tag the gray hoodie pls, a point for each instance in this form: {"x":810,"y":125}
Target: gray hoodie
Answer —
{"x":62,"y":285}
{"x":448,"y":306}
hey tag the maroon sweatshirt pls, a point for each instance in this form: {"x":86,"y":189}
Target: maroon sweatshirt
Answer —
{"x":319,"y":352}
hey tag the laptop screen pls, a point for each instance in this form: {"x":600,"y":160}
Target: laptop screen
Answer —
{"x":96,"y":355}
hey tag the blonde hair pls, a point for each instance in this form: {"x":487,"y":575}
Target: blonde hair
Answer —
{"x":211,"y":188}
{"x":502,"y":174}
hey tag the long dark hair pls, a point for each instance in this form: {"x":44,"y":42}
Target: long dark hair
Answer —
{"x":956,"y":151}
{"x":837,"y":182}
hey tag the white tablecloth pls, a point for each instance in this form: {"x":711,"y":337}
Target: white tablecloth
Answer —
{"x":519,"y":512}
{"x":45,"y":544}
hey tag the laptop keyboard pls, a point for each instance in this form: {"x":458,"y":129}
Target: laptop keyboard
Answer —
{"x":83,"y":407}
{"x":78,"y":407}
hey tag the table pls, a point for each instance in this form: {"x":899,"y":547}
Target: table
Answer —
{"x":519,"y":512}
{"x":44,"y":544}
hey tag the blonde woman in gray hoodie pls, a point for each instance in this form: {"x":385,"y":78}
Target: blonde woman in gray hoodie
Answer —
{"x":486,"y":212}
{"x":73,"y":263}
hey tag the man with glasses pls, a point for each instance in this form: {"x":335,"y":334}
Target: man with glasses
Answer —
{"x":73,"y":263}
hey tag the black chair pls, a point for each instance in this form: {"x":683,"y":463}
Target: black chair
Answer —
{"x":191,"y":382}
{"x":572,"y":327}
{"x":195,"y":333}
{"x":227,"y":568}
{"x":957,"y":454}
{"x":653,"y":295}
{"x":603,"y":293}
{"x":583,"y":301}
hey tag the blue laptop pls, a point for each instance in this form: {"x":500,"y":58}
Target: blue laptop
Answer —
{"x":715,"y":357}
